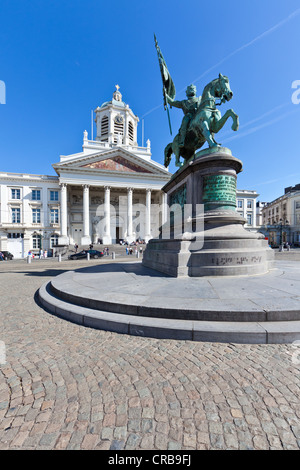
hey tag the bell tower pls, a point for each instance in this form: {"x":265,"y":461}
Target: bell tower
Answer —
{"x":116,"y":123}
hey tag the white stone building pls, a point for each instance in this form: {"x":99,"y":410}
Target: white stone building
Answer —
{"x":110,"y":191}
{"x":29,"y":212}
{"x":281,"y":218}
{"x":246,"y":206}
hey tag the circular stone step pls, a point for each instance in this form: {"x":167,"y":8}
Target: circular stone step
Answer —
{"x":129,"y":298}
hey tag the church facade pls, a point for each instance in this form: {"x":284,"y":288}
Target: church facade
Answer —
{"x":109,"y":192}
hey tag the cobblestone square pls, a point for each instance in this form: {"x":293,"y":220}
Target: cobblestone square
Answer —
{"x":64,"y":386}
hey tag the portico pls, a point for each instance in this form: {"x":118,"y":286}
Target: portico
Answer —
{"x":108,"y":214}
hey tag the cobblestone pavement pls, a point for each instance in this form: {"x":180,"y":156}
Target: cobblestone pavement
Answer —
{"x":64,"y":386}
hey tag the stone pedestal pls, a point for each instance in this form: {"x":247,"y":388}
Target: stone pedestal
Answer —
{"x":204,"y":235}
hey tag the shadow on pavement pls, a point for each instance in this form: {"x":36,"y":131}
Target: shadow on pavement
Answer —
{"x":128,"y":267}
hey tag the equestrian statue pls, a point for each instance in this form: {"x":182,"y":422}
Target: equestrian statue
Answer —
{"x":201,"y":121}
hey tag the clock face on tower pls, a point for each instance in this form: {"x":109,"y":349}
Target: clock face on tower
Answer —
{"x":119,"y":119}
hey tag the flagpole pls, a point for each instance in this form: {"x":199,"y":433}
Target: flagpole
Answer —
{"x":166,"y":106}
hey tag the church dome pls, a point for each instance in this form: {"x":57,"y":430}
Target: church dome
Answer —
{"x":116,"y":100}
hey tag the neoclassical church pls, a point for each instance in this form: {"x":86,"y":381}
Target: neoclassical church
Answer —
{"x":108,"y":192}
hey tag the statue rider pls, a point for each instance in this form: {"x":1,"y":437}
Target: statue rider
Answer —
{"x":189,"y":108}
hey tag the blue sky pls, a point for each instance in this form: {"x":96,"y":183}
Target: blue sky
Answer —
{"x":60,"y":59}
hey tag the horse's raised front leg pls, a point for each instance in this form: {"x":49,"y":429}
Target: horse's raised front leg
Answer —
{"x":218,"y":124}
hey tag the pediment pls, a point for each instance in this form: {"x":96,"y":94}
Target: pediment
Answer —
{"x":117,"y":163}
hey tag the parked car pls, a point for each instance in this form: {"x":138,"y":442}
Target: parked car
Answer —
{"x":7,"y":255}
{"x":83,"y":254}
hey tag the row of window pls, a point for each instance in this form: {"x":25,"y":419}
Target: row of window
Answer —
{"x":277,"y":220}
{"x":36,"y":216}
{"x":37,"y":241}
{"x":240,"y":203}
{"x":249,"y":218}
{"x":277,"y":209}
{"x":36,"y":194}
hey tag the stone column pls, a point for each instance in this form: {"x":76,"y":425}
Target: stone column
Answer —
{"x":164,"y":208}
{"x":86,"y":239}
{"x":148,"y":216}
{"x":129,"y":237}
{"x":63,"y":239}
{"x":107,"y":234}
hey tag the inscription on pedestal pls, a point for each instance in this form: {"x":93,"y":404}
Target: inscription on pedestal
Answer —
{"x":219,"y":188}
{"x":229,"y":260}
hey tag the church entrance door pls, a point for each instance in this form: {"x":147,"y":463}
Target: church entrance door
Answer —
{"x":116,"y":226}
{"x":77,"y":233}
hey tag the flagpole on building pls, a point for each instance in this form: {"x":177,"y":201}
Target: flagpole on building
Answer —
{"x":92,"y":134}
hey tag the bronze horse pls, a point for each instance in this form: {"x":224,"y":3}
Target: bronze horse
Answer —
{"x":206,"y":122}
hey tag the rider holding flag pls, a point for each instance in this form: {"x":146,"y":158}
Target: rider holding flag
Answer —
{"x":189,"y":108}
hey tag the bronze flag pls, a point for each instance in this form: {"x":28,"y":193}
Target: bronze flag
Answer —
{"x":168,"y":85}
